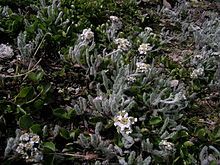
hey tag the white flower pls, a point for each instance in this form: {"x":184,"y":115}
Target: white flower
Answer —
{"x":174,"y":83}
{"x":35,"y":139}
{"x":60,"y":90}
{"x":123,"y":123}
{"x":28,"y":145}
{"x":144,"y":48}
{"x":24,"y":137}
{"x":193,"y":75}
{"x":122,"y":41}
{"x":200,"y":71}
{"x":148,"y":29}
{"x":87,"y":34}
{"x":25,"y":156}
{"x":20,"y":148}
{"x":199,"y":57}
{"x":122,"y":47}
{"x":166,"y":146}
{"x":116,"y":24}
{"x":114,"y":18}
{"x":142,"y":67}
{"x":131,"y":79}
{"x":123,"y":44}
{"x":5,"y":51}
{"x":197,"y":72}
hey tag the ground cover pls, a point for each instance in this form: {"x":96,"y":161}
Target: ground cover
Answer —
{"x":109,"y":82}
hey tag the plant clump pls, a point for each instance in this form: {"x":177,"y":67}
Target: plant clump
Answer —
{"x":109,"y":82}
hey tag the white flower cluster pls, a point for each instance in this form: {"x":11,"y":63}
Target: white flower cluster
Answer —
{"x":144,"y":48}
{"x":116,"y":23}
{"x":131,"y":79}
{"x":167,"y":146}
{"x":114,"y":18}
{"x":123,"y":44}
{"x":199,"y":57}
{"x":29,"y":147}
{"x":87,"y":34}
{"x":148,"y":29}
{"x":197,"y":72}
{"x":123,"y":123}
{"x":142,"y":67}
{"x":5,"y":51}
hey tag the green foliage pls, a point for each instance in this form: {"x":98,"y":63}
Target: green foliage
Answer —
{"x":36,"y":128}
{"x":37,"y":76}
{"x":61,"y":113}
{"x":155,"y":120}
{"x":25,"y":122}
{"x":50,"y":146}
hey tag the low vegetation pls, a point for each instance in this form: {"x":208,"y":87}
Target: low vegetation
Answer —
{"x":109,"y":82}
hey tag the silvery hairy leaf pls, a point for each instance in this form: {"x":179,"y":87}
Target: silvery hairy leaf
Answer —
{"x":146,"y":145}
{"x":139,"y":160}
{"x":105,"y":80}
{"x":203,"y":153}
{"x":147,"y":161}
{"x":128,"y":141}
{"x":166,"y":122}
{"x":9,"y":147}
{"x":98,"y":128}
{"x":118,"y":150}
{"x":122,"y":160}
{"x":98,"y":163}
{"x":131,"y":157}
{"x":83,"y":141}
{"x":94,"y":140}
